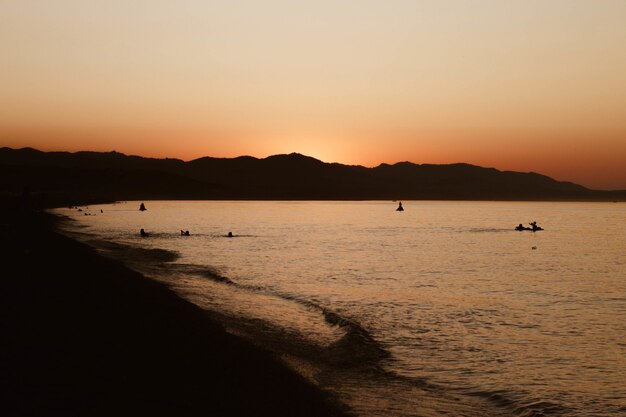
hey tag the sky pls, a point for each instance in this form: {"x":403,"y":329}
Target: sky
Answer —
{"x":528,"y":85}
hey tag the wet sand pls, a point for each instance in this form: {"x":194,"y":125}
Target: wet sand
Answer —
{"x":84,"y":335}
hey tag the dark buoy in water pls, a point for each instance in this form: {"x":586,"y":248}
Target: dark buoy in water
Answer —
{"x":142,"y":207}
{"x":400,"y":208}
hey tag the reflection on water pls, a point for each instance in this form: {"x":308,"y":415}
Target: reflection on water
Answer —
{"x":440,"y":308}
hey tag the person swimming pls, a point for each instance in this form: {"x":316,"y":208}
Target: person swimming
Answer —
{"x":184,"y":233}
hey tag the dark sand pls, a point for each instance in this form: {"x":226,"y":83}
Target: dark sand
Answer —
{"x":84,"y":335}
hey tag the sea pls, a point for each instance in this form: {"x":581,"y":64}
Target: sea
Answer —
{"x":441,"y":309}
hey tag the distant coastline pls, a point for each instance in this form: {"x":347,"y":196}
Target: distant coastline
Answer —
{"x":60,"y":178}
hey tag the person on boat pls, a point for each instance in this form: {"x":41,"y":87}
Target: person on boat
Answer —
{"x":400,"y":208}
{"x":142,"y":207}
{"x":520,"y":227}
{"x":535,"y":227}
{"x":143,"y":233}
{"x":184,"y":233}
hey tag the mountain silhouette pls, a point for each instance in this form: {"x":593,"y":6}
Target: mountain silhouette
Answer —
{"x":60,"y":177}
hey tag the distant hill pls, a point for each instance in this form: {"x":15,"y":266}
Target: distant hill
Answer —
{"x":62,"y":177}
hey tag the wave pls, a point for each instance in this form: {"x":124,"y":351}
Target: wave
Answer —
{"x":522,"y":408}
{"x":490,"y":230}
{"x":134,"y":254}
{"x":356,"y":347}
{"x":203,"y":272}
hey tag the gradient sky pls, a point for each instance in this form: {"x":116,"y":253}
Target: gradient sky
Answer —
{"x":528,"y":85}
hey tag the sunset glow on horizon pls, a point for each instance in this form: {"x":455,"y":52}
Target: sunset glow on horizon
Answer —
{"x":516,"y":85}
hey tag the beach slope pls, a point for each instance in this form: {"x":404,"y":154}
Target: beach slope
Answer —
{"x":84,"y":335}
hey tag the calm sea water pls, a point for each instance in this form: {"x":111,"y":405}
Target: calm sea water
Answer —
{"x":440,"y":309}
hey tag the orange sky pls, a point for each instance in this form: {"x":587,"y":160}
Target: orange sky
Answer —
{"x":520,"y":85}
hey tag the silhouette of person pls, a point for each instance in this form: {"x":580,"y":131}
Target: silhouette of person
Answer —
{"x":230,"y":234}
{"x":184,"y":233}
{"x":143,"y":233}
{"x":142,"y":207}
{"x":400,"y":208}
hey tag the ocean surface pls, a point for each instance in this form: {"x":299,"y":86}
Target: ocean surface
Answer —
{"x":443,"y":309}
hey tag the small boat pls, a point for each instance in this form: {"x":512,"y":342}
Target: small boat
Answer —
{"x":533,"y":228}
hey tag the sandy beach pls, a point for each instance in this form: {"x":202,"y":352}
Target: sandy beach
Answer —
{"x":84,"y":335}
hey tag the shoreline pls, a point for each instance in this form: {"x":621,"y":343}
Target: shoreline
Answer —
{"x":85,"y":335}
{"x":348,"y":369}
